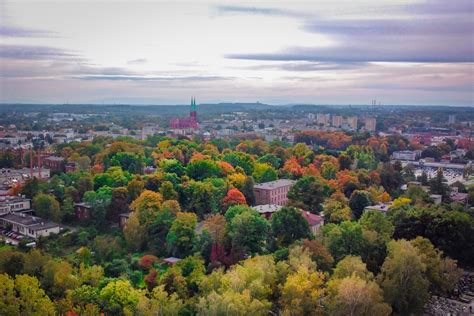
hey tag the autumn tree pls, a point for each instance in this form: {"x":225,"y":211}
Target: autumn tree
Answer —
{"x":233,"y":197}
{"x":134,"y":233}
{"x":353,"y":295}
{"x":402,"y":278}
{"x":147,"y":206}
{"x":302,"y":293}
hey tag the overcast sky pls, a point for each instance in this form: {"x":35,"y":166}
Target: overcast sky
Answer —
{"x":278,"y":52}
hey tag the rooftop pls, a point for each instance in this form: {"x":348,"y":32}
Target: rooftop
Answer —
{"x":267,"y":208}
{"x":312,"y":219}
{"x":274,"y":184}
{"x":33,"y":222}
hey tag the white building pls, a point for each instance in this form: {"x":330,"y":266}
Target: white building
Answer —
{"x":13,"y":204}
{"x":28,"y":225}
{"x":406,"y":155}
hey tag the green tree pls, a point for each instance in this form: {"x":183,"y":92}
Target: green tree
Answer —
{"x":402,"y":278}
{"x":358,"y":201}
{"x":247,"y":190}
{"x":134,"y":233}
{"x":202,"y":169}
{"x":263,"y":172}
{"x":181,"y":236}
{"x":119,"y":298}
{"x":167,"y":191}
{"x":46,"y":206}
{"x":289,"y":225}
{"x":343,"y":239}
{"x":308,"y":193}
{"x":248,"y":232}
{"x":30,"y":298}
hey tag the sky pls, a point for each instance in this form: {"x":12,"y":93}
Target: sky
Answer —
{"x":277,"y":52}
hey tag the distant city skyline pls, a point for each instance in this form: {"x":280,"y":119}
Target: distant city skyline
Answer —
{"x":278,"y":52}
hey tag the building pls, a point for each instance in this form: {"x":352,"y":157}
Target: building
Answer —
{"x":123,"y":218}
{"x":274,"y":192}
{"x":322,"y":119}
{"x":380,"y":207}
{"x":437,"y":198}
{"x":315,"y":222}
{"x":28,"y":225}
{"x":451,"y":119}
{"x":82,"y":211}
{"x":11,"y":177}
{"x":336,"y":120}
{"x":190,"y":122}
{"x":370,"y":124}
{"x":266,"y":210}
{"x":352,"y":122}
{"x":10,"y":204}
{"x":407,"y":155}
{"x":54,"y":163}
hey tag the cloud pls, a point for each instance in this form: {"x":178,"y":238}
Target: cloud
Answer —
{"x":28,"y":52}
{"x":150,"y":78}
{"x":307,"y":66}
{"x":229,"y":9}
{"x":137,"y":61}
{"x":436,"y":31}
{"x":12,"y":31}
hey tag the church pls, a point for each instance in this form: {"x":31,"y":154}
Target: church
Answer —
{"x":186,"y":122}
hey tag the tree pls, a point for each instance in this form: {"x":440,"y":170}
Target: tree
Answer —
{"x":46,"y":206}
{"x":247,"y":190}
{"x":343,"y":239}
{"x":263,"y":172}
{"x":442,"y":273}
{"x":289,"y":225}
{"x":167,"y":191}
{"x":319,"y":254}
{"x":248,"y":232}
{"x":358,"y":201}
{"x":345,"y":161}
{"x":302,"y":293}
{"x":355,"y":296}
{"x":161,"y":303}
{"x":308,"y":192}
{"x":147,"y":206}
{"x":119,"y":203}
{"x":328,"y":170}
{"x":119,"y":298}
{"x":231,"y":303}
{"x":134,"y":233}
{"x":233,"y":197}
{"x":202,"y":169}
{"x":378,"y":222}
{"x":391,"y":179}
{"x":402,"y":278}
{"x":336,"y":212}
{"x":23,"y":296}
{"x":8,"y":300}
{"x":352,"y":266}
{"x":100,"y":202}
{"x":135,"y":188}
{"x":181,"y":236}
{"x":202,"y":198}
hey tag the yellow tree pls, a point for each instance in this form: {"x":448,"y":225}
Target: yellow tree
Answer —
{"x":302,"y":293}
{"x":147,"y":206}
